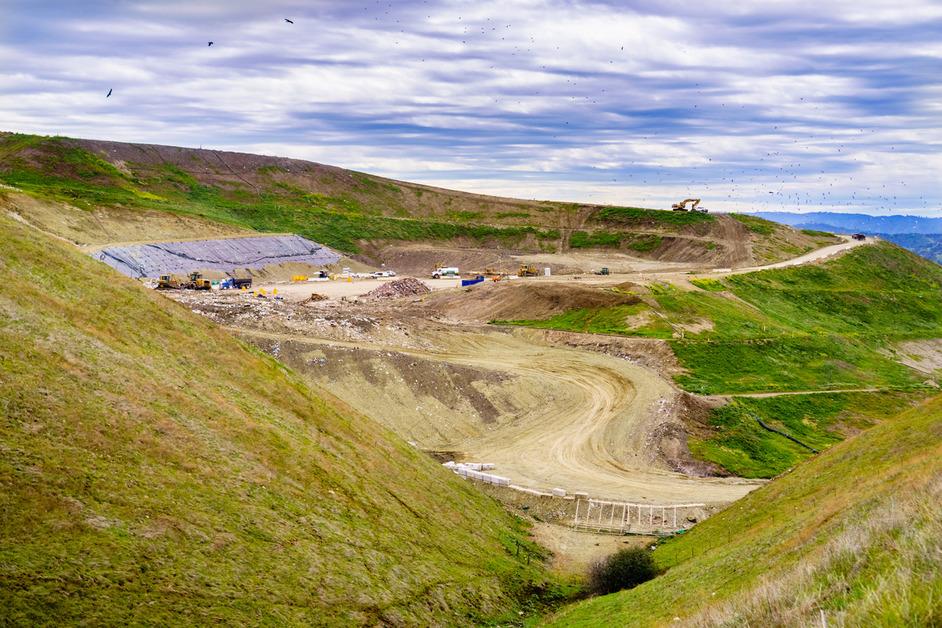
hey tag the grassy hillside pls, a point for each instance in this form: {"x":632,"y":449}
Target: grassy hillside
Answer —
{"x":344,"y":209}
{"x":741,"y":445}
{"x":156,"y":470}
{"x":854,"y":534}
{"x":815,"y":327}
{"x":831,"y":326}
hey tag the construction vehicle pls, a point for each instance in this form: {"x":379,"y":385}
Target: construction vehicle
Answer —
{"x":235,"y":283}
{"x":168,"y":282}
{"x":682,"y":206}
{"x":527,"y":270}
{"x":602,"y":271}
{"x":445,"y":271}
{"x":196,"y":282}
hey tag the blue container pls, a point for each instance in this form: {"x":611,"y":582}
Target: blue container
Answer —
{"x":471,"y":282}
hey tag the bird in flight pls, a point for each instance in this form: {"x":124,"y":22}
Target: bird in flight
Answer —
{"x":108,"y":95}
{"x":209,"y":44}
{"x":289,"y":21}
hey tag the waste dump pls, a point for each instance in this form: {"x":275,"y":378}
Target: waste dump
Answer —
{"x":227,"y":255}
{"x":407,"y":287}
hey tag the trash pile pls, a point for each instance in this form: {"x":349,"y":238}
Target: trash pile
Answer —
{"x":408,"y":287}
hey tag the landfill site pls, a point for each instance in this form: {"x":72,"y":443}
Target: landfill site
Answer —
{"x":586,"y":432}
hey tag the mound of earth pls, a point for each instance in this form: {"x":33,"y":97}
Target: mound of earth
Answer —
{"x":407,"y":287}
{"x":523,"y":300}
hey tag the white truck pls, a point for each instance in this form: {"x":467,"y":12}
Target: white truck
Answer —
{"x":446,"y":271}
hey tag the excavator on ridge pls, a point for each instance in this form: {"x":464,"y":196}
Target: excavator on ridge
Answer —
{"x":682,"y":206}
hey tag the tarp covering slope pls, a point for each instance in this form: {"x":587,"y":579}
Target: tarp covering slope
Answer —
{"x":227,"y":255}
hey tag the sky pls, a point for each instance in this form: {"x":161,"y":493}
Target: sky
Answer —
{"x":751,"y":105}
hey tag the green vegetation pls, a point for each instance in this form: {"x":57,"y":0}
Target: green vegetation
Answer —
{"x":854,"y":532}
{"x":344,"y":209}
{"x":807,"y":328}
{"x":58,"y":170}
{"x":625,"y":569}
{"x":817,"y":234}
{"x":746,"y":449}
{"x":155,"y":470}
{"x":710,"y":285}
{"x":631,"y":319}
{"x":585,"y":239}
{"x":641,"y":242}
{"x":636,"y":216}
{"x":645,"y":243}
{"x":816,"y":327}
{"x":755,"y":224}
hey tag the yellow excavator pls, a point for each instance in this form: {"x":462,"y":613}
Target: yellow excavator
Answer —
{"x":682,"y":206}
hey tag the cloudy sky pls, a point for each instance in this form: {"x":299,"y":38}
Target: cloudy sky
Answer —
{"x":752,"y":105}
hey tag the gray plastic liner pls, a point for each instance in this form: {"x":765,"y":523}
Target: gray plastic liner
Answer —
{"x":226,"y":255}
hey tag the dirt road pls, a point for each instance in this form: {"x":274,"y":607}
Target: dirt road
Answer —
{"x":596,"y":444}
{"x":813,"y":256}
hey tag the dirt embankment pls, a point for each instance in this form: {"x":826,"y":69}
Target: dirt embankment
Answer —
{"x":106,"y":225}
{"x":510,"y":300}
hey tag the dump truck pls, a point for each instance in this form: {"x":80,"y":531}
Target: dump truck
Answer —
{"x":527,"y":270}
{"x":235,"y":283}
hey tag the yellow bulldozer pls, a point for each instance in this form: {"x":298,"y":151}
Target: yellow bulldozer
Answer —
{"x":194,"y":281}
{"x":527,"y":270}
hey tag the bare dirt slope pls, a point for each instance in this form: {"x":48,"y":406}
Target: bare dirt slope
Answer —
{"x":511,"y":300}
{"x":591,"y":426}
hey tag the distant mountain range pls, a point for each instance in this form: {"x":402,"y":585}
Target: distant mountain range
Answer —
{"x":919,"y":234}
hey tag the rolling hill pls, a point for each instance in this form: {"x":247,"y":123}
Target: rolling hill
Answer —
{"x":95,"y":192}
{"x":851,"y":537}
{"x":858,"y":322}
{"x":920,"y":234}
{"x":156,"y":470}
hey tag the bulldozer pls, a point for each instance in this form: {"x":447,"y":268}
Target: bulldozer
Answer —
{"x":168,"y":282}
{"x":682,"y":206}
{"x":527,"y":270}
{"x":194,"y":281}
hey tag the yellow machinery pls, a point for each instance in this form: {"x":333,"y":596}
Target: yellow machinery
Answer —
{"x":194,"y":282}
{"x":527,"y":270}
{"x":168,"y":282}
{"x":682,"y":206}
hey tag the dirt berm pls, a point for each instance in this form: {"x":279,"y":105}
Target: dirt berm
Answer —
{"x":513,"y":301}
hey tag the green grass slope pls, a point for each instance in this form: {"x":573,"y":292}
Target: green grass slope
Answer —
{"x":739,"y":444}
{"x":825,"y":327}
{"x":854,"y":535}
{"x":345,"y":209}
{"x":815,"y":327}
{"x":155,"y":470}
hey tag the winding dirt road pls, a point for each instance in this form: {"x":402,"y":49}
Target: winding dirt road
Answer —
{"x":596,"y":444}
{"x":600,"y":440}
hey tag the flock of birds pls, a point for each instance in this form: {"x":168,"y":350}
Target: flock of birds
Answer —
{"x":732,"y":184}
{"x":208,"y":44}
